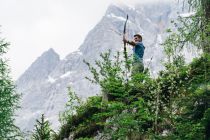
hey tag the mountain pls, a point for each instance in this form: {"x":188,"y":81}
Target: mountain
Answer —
{"x":44,"y":84}
{"x":38,"y":71}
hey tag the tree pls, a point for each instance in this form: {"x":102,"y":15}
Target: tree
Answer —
{"x":42,"y":130}
{"x":8,"y":97}
{"x":193,"y":105}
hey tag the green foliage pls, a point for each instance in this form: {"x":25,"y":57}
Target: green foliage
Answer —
{"x":118,"y":112}
{"x":193,"y":29}
{"x":206,"y":122}
{"x":73,"y":103}
{"x":85,"y":139}
{"x":111,"y":76}
{"x":42,"y":130}
{"x":85,"y":121}
{"x":145,"y":107}
{"x":8,"y":98}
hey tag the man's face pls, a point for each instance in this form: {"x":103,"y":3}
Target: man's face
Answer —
{"x":137,"y":39}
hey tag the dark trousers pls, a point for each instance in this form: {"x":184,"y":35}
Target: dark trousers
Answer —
{"x":138,"y":67}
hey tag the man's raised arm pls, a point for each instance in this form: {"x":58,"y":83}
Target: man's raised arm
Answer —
{"x":132,"y":43}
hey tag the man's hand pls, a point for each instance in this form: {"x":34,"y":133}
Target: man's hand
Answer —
{"x":132,"y":43}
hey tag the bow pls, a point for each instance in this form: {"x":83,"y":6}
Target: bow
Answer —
{"x":125,"y":52}
{"x":124,"y":31}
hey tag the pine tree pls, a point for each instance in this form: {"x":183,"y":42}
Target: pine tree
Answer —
{"x":42,"y":130}
{"x":8,"y":97}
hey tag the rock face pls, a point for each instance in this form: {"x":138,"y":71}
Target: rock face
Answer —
{"x":44,"y":84}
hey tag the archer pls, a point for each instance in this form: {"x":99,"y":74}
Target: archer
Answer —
{"x":138,"y":52}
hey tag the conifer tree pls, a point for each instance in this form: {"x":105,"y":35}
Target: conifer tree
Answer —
{"x":42,"y":130}
{"x":8,"y":97}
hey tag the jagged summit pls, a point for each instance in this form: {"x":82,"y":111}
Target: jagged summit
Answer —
{"x":40,"y":68}
{"x":51,"y":51}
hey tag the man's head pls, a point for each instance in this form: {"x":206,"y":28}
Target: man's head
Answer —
{"x":137,"y":38}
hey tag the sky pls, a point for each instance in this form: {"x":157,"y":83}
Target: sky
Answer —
{"x":34,"y":26}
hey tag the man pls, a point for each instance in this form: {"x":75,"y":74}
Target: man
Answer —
{"x":138,"y":53}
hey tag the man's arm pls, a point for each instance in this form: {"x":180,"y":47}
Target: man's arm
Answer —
{"x":132,"y":43}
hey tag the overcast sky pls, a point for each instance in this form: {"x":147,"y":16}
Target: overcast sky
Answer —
{"x":34,"y":26}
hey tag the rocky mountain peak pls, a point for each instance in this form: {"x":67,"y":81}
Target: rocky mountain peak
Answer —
{"x":39,"y":69}
{"x":50,"y":53}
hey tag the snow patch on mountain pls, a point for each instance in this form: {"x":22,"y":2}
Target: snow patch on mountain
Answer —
{"x":67,"y":74}
{"x":189,"y":14}
{"x":78,"y":52}
{"x":117,"y":17}
{"x":51,"y":80}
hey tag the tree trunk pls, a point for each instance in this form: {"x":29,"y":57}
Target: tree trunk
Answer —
{"x":206,"y":10}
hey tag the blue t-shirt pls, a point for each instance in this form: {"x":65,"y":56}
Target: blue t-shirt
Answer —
{"x":138,"y":51}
